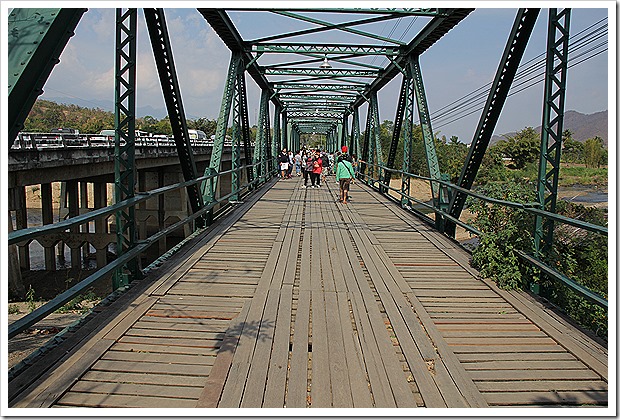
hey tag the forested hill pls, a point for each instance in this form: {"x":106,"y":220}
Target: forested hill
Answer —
{"x":583,"y":126}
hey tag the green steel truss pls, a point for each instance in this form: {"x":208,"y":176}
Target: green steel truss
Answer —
{"x":231,"y":89}
{"x":552,"y":123}
{"x":125,"y":176}
{"x":36,"y":38}
{"x":427,"y":131}
{"x":354,"y":146}
{"x":513,"y":52}
{"x":325,"y":49}
{"x":164,"y":61}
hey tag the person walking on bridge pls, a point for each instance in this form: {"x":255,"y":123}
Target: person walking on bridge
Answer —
{"x":344,"y":175}
{"x":317,"y":168}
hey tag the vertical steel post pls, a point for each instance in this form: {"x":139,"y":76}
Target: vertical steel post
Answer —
{"x":355,"y":133}
{"x":552,"y":125}
{"x":407,"y":138}
{"x":277,"y":139}
{"x":124,"y":140}
{"x":237,"y":123}
{"x":235,"y":66}
{"x":440,"y":198}
{"x":245,"y":125}
{"x":405,"y":92}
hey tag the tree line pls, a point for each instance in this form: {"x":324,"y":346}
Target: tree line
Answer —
{"x":47,"y":115}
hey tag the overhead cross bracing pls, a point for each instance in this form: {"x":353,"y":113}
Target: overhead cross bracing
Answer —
{"x":309,"y":76}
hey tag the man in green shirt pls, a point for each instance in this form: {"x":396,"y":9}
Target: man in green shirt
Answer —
{"x":344,"y":174}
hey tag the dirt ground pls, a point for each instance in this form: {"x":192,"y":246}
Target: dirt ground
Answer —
{"x":24,"y":344}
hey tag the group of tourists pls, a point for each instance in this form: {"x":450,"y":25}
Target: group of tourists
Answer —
{"x":316,"y":165}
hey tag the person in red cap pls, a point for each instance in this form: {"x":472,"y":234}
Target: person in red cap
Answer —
{"x":345,"y":149}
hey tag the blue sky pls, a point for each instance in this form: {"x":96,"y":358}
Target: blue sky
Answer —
{"x":461,"y":62}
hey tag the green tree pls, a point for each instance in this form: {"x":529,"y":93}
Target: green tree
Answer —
{"x":572,"y":150}
{"x":522,"y":148}
{"x":451,"y":156}
{"x":594,"y":152}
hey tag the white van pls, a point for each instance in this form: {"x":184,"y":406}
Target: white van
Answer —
{"x":198,"y":135}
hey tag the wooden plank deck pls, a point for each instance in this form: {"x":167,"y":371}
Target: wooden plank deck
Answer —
{"x":305,"y":302}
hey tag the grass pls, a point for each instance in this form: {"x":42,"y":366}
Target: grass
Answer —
{"x":580,"y":175}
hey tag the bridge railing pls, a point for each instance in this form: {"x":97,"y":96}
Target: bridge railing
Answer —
{"x":533,"y":208}
{"x":42,"y":141}
{"x":219,"y":205}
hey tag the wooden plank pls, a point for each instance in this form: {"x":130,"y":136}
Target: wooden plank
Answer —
{"x":541,"y":385}
{"x":321,"y":390}
{"x":548,"y":398}
{"x":360,"y":392}
{"x":214,"y":384}
{"x":110,"y":401}
{"x":114,"y":388}
{"x":212,"y":325}
{"x":531,"y":374}
{"x":482,"y":357}
{"x":45,"y":393}
{"x":147,"y":367}
{"x":207,"y":344}
{"x":188,"y":335}
{"x":134,"y":356}
{"x":341,"y":395}
{"x":167,"y":349}
{"x":257,"y":376}
{"x":275,"y":389}
{"x":173,"y":381}
{"x":298,"y":371}
{"x":236,"y":380}
{"x":525,"y":364}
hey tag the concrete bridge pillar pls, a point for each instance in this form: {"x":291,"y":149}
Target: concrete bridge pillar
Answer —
{"x":100,"y":199}
{"x":84,"y":209}
{"x":48,"y":218}
{"x":21,"y":222}
{"x":16,"y":286}
{"x":73,"y":206}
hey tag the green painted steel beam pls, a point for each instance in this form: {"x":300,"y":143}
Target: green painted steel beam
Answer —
{"x":285,"y":97}
{"x":325,"y":27}
{"x":354,"y":50}
{"x":504,"y":76}
{"x":552,"y":126}
{"x":318,"y":87}
{"x":36,"y":39}
{"x":317,"y":58}
{"x":164,"y":61}
{"x":413,"y":11}
{"x":125,"y":171}
{"x":306,"y":114}
{"x":343,"y":28}
{"x":321,"y":72}
{"x":235,"y":67}
{"x":431,"y":33}
{"x":427,"y":131}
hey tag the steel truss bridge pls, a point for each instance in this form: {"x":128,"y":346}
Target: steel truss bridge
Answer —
{"x":281,"y":298}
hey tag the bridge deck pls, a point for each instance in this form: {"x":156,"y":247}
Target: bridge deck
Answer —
{"x":304,"y":302}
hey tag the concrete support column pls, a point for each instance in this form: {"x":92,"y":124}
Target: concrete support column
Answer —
{"x":84,"y":209}
{"x":62,"y":209}
{"x":161,"y":211}
{"x":100,"y":197}
{"x":141,"y":208}
{"x":73,"y":205}
{"x":48,"y":218}
{"x":21,"y":220}
{"x":16,"y":286}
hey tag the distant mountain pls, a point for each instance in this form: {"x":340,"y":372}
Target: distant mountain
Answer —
{"x":583,"y":126}
{"x":141,"y":111}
